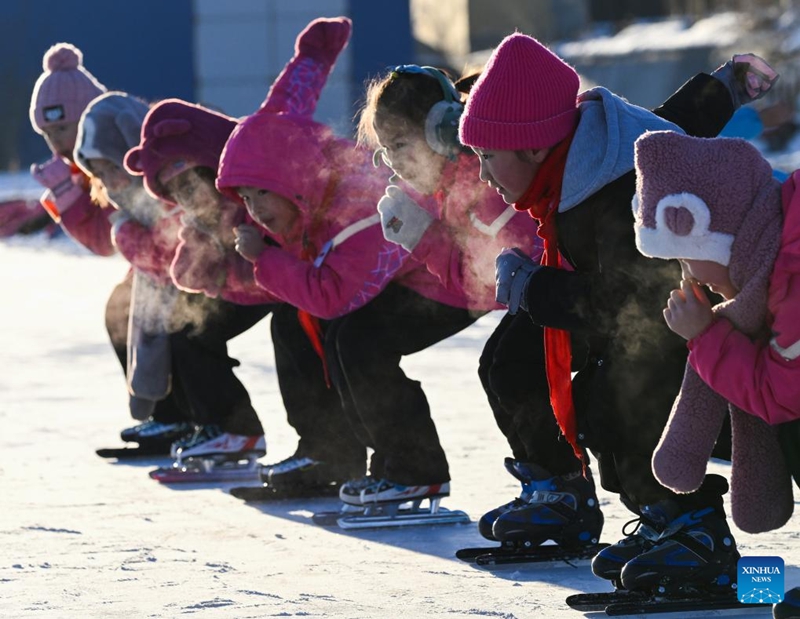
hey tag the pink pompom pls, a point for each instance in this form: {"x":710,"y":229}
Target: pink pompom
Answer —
{"x":62,"y":57}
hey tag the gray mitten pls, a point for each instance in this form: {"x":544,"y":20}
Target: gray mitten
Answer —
{"x":403,"y":221}
{"x":513,"y":271}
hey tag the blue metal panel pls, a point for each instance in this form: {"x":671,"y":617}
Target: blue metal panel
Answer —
{"x":381,"y":38}
{"x":143,"y":47}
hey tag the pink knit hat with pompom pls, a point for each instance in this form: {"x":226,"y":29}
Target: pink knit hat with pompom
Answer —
{"x":65,"y":88}
{"x":526,"y":97}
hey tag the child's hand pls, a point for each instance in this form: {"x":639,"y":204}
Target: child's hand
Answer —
{"x":249,"y":243}
{"x":688,"y":312}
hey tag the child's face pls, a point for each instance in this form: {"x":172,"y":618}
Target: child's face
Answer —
{"x":407,"y":153}
{"x":276,"y":213}
{"x":510,"y":172}
{"x":61,"y":138}
{"x":196,"y":195}
{"x":710,"y":274}
{"x":111,"y":175}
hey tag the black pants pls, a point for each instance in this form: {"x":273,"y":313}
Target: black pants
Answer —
{"x":513,"y":375}
{"x":313,"y":408}
{"x":168,"y":410}
{"x":388,"y":410}
{"x":203,"y":379}
{"x":512,"y":372}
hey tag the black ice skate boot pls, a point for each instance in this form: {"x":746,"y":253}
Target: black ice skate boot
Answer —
{"x":152,"y":432}
{"x":561,"y":508}
{"x":789,"y":608}
{"x":695,"y":551}
{"x":520,"y":471}
{"x":300,"y":471}
{"x":608,"y":563}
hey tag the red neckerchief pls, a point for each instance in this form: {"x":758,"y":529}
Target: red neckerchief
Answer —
{"x":308,"y":321}
{"x":541,"y":201}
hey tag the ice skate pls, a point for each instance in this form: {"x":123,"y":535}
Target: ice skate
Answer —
{"x":199,"y":434}
{"x":213,"y":456}
{"x":690,"y":566}
{"x":154,"y":438}
{"x":789,"y":608}
{"x":518,"y":470}
{"x":152,"y":431}
{"x":560,"y":509}
{"x":694,"y":552}
{"x":350,"y":491}
{"x":382,"y":503}
{"x":608,"y":563}
{"x":298,"y":477}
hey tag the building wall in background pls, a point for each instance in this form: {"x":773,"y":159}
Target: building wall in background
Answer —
{"x":221,"y":54}
{"x":141,"y":47}
{"x":241,"y":47}
{"x":458,"y":28}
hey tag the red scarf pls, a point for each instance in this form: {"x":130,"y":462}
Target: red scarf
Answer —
{"x":541,"y":201}
{"x":310,"y":323}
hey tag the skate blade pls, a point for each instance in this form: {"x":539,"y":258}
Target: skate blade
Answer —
{"x":198,"y":470}
{"x":403,"y":519}
{"x":550,"y":555}
{"x":132,"y":453}
{"x":393,"y":514}
{"x":265,"y":492}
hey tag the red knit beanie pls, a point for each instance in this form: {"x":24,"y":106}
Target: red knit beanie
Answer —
{"x":525,"y":98}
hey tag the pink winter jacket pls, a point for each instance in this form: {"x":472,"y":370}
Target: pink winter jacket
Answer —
{"x":150,"y":249}
{"x":336,"y":259}
{"x":89,"y":224}
{"x":474,"y":225}
{"x":203,"y":263}
{"x":762,"y":377}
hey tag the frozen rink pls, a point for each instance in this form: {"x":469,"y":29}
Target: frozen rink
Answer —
{"x":83,"y":537}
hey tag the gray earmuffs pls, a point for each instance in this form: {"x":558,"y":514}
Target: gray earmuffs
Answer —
{"x":441,"y":123}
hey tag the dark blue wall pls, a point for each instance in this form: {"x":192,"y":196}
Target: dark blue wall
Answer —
{"x":381,"y":38}
{"x":142,"y":47}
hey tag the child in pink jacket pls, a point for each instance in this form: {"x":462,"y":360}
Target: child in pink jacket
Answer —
{"x":714,"y":205}
{"x":177,"y":343}
{"x":178,"y":157}
{"x":364,"y":301}
{"x":411,"y":116}
{"x":60,"y":95}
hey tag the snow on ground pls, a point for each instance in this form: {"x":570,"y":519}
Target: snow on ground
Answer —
{"x":83,"y":537}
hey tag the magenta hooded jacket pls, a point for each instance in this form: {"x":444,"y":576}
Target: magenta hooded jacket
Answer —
{"x":474,"y":224}
{"x":336,"y":259}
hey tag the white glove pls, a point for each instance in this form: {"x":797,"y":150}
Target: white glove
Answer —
{"x":403,"y":221}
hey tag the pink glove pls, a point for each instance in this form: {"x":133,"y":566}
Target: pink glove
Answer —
{"x":754,"y":75}
{"x":747,"y":78}
{"x":56,"y":175}
{"x":323,"y":39}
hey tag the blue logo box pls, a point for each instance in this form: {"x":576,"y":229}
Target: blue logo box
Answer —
{"x":760,"y":580}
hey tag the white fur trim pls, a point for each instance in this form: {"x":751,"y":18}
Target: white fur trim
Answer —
{"x":699,"y":244}
{"x":789,"y":354}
